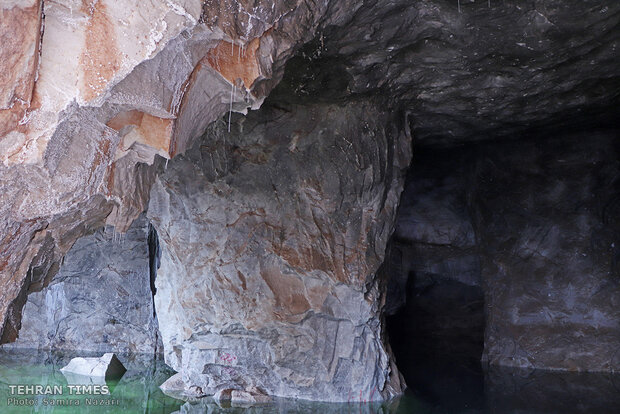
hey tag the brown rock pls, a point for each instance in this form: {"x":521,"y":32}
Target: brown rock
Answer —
{"x":20,"y":34}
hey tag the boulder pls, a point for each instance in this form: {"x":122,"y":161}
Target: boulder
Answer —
{"x":107,"y":366}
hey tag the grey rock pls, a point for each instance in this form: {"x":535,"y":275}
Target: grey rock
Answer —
{"x":271,"y":236}
{"x":546,"y":216}
{"x":434,"y":240}
{"x":107,"y":366}
{"x":100,"y":299}
{"x":481,"y":72}
{"x":82,"y":156}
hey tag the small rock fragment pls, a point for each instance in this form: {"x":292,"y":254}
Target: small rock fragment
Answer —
{"x":108,"y":366}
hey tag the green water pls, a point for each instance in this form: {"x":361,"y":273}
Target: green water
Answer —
{"x":436,"y":387}
{"x":136,"y":392}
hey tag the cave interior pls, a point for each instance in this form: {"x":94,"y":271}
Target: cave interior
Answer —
{"x":411,"y":197}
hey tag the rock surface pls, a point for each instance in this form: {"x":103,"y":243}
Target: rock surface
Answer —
{"x":271,"y":236}
{"x":100,"y":300}
{"x":540,"y":219}
{"x":107,"y":366}
{"x":547,"y":220}
{"x":117,"y":83}
{"x":434,"y":240}
{"x":475,"y":70}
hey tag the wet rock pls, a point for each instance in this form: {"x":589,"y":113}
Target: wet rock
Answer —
{"x":241,"y":398}
{"x":271,"y":236}
{"x":108,"y":366}
{"x":100,"y":300}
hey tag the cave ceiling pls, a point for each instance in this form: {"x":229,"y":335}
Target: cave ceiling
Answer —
{"x":482,"y":70}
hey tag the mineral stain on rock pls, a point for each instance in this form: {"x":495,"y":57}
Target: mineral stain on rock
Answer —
{"x":234,"y":61}
{"x":100,"y":59}
{"x":20,"y":38}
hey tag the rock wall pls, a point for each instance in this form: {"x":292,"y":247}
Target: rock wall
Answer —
{"x":112,"y":85}
{"x":547,"y":220}
{"x":535,"y":223}
{"x":434,"y":240}
{"x":100,"y":300}
{"x":271,"y":235}
{"x":94,"y":95}
{"x":475,"y":70}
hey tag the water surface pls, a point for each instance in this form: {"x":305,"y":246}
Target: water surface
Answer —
{"x":438,"y":386}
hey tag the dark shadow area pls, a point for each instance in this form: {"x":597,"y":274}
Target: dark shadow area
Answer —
{"x":435,"y":298}
{"x":437,"y":339}
{"x":501,"y":242}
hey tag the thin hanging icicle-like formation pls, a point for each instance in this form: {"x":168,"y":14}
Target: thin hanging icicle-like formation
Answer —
{"x":232,"y":91}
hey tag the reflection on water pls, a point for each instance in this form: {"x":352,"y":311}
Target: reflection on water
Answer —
{"x":136,"y":392}
{"x":437,"y":387}
{"x":528,"y":391}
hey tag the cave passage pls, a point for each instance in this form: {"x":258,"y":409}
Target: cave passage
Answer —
{"x":504,"y":257}
{"x":437,"y":340}
{"x":435,"y":305}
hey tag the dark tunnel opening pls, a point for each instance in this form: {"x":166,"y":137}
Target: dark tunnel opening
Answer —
{"x":435,"y":301}
{"x":437,"y":340}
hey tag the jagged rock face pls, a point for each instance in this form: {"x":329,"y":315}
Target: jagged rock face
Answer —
{"x":116,"y":84}
{"x":94,"y":93}
{"x":489,"y":70}
{"x":100,"y":300}
{"x":271,"y":236}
